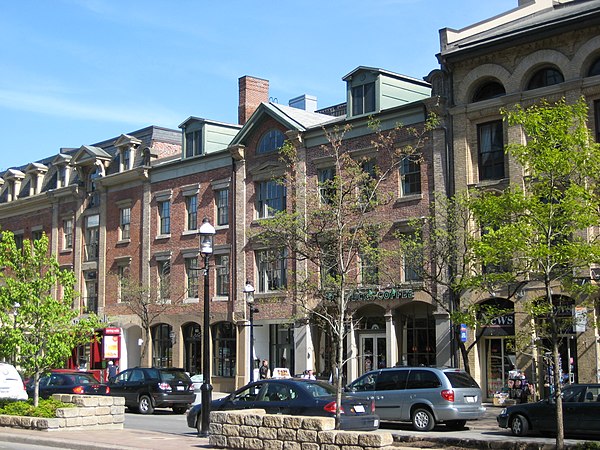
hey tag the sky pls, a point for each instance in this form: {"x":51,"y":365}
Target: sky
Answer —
{"x":78,"y":72}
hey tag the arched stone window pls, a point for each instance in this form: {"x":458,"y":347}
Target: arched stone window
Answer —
{"x":192,"y":348}
{"x":545,"y":77}
{"x":595,"y":68}
{"x":486,"y":91}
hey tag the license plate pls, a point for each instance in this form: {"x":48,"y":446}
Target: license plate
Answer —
{"x":359,"y":408}
{"x":470,"y":399}
{"x":180,"y":388}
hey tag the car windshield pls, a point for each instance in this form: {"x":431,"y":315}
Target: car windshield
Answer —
{"x":320,"y":389}
{"x":461,"y":380}
{"x":85,"y":379}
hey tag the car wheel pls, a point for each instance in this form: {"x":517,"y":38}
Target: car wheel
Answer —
{"x":519,"y":425}
{"x":145,"y":405}
{"x":179,"y":409}
{"x":456,"y":424}
{"x":422,"y":419}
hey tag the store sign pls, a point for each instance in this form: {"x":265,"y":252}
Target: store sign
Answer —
{"x":463,"y":332}
{"x":110,"y":346}
{"x":382,"y":294}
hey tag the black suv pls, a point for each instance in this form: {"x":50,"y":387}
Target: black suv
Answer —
{"x":146,"y":388}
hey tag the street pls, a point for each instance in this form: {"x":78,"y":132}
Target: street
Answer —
{"x":165,"y":421}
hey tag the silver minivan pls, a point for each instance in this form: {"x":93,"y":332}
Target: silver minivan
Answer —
{"x":424,"y":396}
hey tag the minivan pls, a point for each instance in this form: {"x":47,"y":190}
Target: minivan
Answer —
{"x":424,"y":396}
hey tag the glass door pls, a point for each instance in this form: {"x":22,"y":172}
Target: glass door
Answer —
{"x":373,"y":351}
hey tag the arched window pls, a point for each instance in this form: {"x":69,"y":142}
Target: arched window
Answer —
{"x":192,"y":348}
{"x":486,"y":91}
{"x":545,"y":77}
{"x":224,"y":346}
{"x":271,"y":141}
{"x":162,"y":345}
{"x":595,"y":68}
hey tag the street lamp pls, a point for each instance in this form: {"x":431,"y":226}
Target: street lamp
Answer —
{"x":207,"y":231}
{"x":16,"y":306}
{"x":249,"y":291}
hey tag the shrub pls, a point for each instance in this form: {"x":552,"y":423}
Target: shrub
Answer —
{"x":46,"y":408}
{"x":588,"y":445}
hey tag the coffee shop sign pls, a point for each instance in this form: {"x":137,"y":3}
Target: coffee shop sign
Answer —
{"x":381,"y":294}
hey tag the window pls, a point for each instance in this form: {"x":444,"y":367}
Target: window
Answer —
{"x":61,"y":176}
{"x":193,"y":143}
{"x":125,"y":159}
{"x":191,"y":206}
{"x":222,"y":201}
{"x":545,"y":77}
{"x":594,"y":69}
{"x":272,"y":140}
{"x":162,"y":346}
{"x":367,"y":190}
{"x":91,"y":290}
{"x":36,"y":235}
{"x":412,"y":261}
{"x":125,"y":222}
{"x":164,"y":279}
{"x":19,"y":241}
{"x":363,"y":99}
{"x":67,"y":234}
{"x":271,"y":270}
{"x":489,"y":90}
{"x":122,"y":271}
{"x":490,"y":143}
{"x":222,"y":270}
{"x":224,"y":356}
{"x":410,"y":176}
{"x":270,"y":198}
{"x":164,"y":212}
{"x":191,"y":275}
{"x":192,"y":355}
{"x":92,"y":237}
{"x":369,"y":258}
{"x":326,"y":185}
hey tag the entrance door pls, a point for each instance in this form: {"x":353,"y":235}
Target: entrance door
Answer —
{"x":373,"y":351}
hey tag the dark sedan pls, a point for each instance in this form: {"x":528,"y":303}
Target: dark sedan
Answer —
{"x":295,"y":397}
{"x":68,"y":383}
{"x":581,"y":413}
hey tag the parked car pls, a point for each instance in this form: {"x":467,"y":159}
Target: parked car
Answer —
{"x":147,"y":388}
{"x":424,"y":396}
{"x":11,"y":383}
{"x":581,"y":413}
{"x":64,"y":381}
{"x":295,"y":397}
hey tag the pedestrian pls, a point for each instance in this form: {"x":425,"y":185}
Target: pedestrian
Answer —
{"x":264,"y":372}
{"x":309,"y":375}
{"x":113,"y":370}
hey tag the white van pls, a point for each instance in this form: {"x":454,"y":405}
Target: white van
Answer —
{"x":11,"y":383}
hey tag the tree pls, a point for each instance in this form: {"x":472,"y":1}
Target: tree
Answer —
{"x":539,"y":231}
{"x":441,"y":247}
{"x":145,"y":301}
{"x":44,"y":329}
{"x":337,"y":235}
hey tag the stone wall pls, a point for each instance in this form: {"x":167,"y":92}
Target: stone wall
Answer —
{"x":91,"y":411}
{"x":255,"y":430}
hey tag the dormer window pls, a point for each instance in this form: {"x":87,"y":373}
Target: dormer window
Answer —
{"x":363,"y":99}
{"x":61,"y":176}
{"x":193,"y":143}
{"x":272,"y":140}
{"x":125,"y":159}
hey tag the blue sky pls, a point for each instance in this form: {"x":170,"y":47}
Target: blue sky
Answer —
{"x":75,"y":72}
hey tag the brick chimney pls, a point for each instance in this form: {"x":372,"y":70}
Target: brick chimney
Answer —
{"x":253,"y":91}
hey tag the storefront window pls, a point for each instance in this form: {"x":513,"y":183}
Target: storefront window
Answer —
{"x":282,"y":346}
{"x":224,"y":345}
{"x":192,"y":348}
{"x":420,"y":339}
{"x":162,"y":346}
{"x":501,"y":359}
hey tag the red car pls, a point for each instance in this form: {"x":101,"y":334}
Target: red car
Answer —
{"x":64,"y":381}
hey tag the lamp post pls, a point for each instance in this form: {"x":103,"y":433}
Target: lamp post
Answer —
{"x":16,"y":306}
{"x":207,"y":231}
{"x":249,"y":291}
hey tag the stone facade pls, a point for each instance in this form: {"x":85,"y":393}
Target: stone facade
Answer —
{"x":255,"y":430}
{"x":90,"y":411}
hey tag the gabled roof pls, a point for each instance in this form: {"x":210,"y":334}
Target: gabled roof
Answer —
{"x":386,"y":73}
{"x":36,"y":167}
{"x":291,"y":118}
{"x":89,"y":153}
{"x":125,"y":140}
{"x":61,"y":158}
{"x":13,"y":174}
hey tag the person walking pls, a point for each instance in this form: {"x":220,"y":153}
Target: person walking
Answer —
{"x":264,"y":372}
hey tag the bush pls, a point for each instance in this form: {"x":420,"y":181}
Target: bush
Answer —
{"x":46,"y":408}
{"x":588,"y":445}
